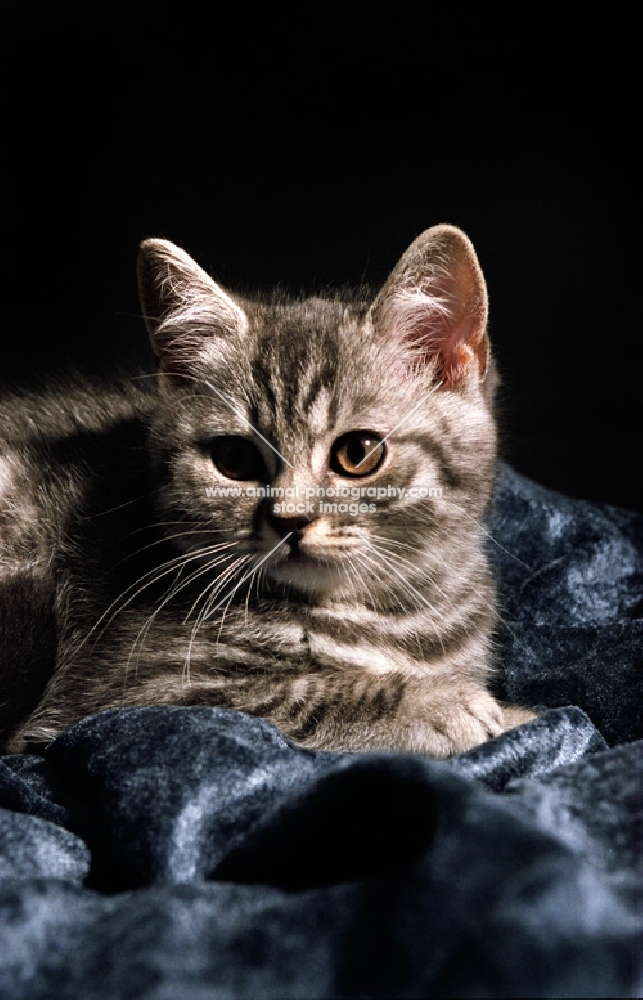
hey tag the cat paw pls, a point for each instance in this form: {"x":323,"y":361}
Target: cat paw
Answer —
{"x":515,"y":716}
{"x":455,"y":723}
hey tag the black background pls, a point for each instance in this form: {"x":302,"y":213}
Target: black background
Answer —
{"x":310,"y":151}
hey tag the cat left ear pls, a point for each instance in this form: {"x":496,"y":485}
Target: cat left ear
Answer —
{"x":182,"y":306}
{"x":435,"y":304}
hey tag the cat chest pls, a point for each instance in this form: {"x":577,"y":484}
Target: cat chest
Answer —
{"x":238,"y":644}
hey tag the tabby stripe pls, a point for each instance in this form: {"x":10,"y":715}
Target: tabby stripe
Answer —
{"x":324,"y":379}
{"x":450,"y":476}
{"x":262,"y":376}
{"x":269,"y":705}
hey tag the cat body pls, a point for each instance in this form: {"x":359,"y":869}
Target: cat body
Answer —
{"x":285,"y":520}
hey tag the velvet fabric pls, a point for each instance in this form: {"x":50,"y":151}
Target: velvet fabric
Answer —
{"x":191,"y":853}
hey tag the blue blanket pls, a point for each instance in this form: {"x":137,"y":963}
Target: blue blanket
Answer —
{"x":195,"y":853}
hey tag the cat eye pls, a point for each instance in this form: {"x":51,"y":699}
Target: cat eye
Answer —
{"x":237,"y":458}
{"x":358,"y":453}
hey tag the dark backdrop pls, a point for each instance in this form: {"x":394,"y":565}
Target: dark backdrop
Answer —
{"x":311,"y":152}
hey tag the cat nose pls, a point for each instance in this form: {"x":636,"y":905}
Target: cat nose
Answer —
{"x":293,"y":526}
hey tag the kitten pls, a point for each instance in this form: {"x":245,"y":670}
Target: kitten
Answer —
{"x":284,"y":521}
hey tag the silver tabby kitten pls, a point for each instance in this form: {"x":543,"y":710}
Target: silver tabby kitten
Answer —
{"x":285,"y":521}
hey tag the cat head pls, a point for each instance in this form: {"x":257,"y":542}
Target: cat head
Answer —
{"x":307,"y":438}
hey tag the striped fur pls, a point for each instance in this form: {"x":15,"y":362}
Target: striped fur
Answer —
{"x":356,"y":629}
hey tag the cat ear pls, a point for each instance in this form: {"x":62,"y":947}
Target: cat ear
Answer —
{"x":183,"y":307}
{"x":435,"y":304}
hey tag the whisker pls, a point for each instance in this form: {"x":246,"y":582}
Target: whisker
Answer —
{"x":166,"y":538}
{"x":484,"y":531}
{"x":216,"y":587}
{"x":174,"y":590}
{"x":151,"y":577}
{"x":406,"y":583}
{"x":375,"y":561}
{"x":436,"y":554}
{"x":261,"y":561}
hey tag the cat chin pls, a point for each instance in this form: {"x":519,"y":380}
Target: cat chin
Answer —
{"x":305,"y":574}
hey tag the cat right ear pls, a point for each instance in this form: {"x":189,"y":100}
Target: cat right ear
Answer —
{"x":434,"y":305}
{"x":183,"y":308}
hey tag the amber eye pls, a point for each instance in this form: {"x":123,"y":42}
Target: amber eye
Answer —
{"x":357,"y":454}
{"x":237,"y":458}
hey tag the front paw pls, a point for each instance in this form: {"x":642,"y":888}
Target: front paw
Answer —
{"x":452,"y":722}
{"x":515,"y":716}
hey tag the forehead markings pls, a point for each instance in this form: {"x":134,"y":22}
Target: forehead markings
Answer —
{"x":318,"y":411}
{"x":319,"y":459}
{"x":262,"y":377}
{"x":294,"y":387}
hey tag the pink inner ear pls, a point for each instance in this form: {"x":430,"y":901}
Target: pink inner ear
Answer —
{"x":464,"y":345}
{"x":427,"y":324}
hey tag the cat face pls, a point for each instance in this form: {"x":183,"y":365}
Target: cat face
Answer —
{"x":314,"y":441}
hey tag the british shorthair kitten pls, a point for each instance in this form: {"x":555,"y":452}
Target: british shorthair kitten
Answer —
{"x":285,"y":520}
